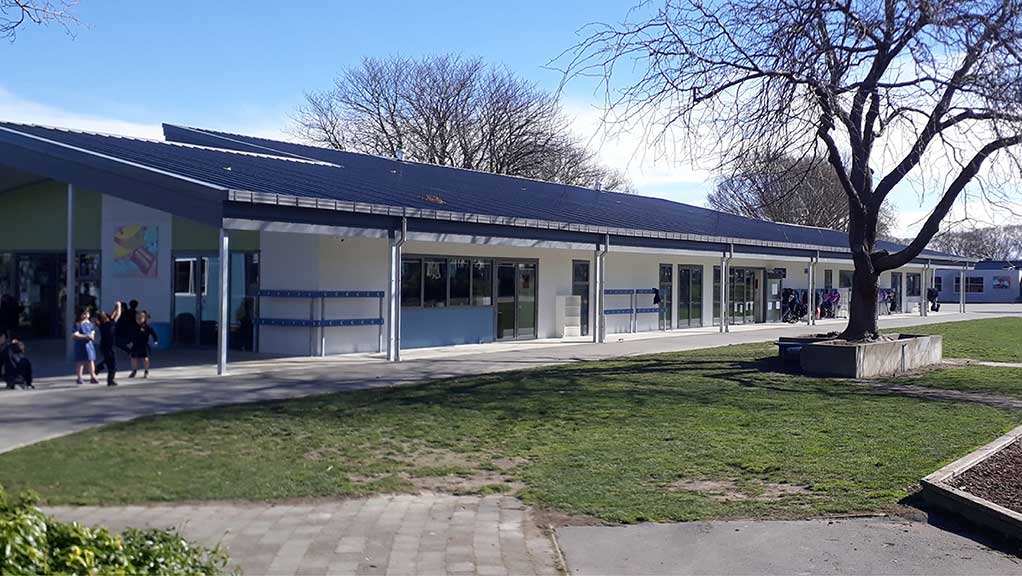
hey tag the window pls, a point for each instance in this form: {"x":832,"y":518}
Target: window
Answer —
{"x":482,"y":283}
{"x":411,"y":283}
{"x":828,"y":279}
{"x":461,"y":282}
{"x":845,"y":279}
{"x":913,"y":282}
{"x":973,"y":284}
{"x":443,"y":282}
{"x":434,"y":283}
{"x":938,"y":283}
{"x":184,"y":272}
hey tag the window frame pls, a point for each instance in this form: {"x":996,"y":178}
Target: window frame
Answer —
{"x":472,"y":262}
{"x":191,"y":276}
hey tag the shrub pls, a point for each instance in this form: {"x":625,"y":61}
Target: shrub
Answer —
{"x":33,"y":543}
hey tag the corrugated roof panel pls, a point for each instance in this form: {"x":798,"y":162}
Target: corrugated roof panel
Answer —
{"x":263,"y":166}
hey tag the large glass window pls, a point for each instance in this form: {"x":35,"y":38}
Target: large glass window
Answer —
{"x":828,"y":279}
{"x":444,"y":282}
{"x":938,"y":283}
{"x":845,"y":278}
{"x":434,"y":283}
{"x":913,"y":284}
{"x":411,"y":283}
{"x":184,"y":276}
{"x":973,"y":284}
{"x":482,"y":283}
{"x":461,"y":282}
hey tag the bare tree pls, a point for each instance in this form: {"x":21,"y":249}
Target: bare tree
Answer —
{"x":779,"y":188}
{"x":15,"y":13}
{"x":927,"y":90}
{"x":451,"y":111}
{"x":991,"y":243}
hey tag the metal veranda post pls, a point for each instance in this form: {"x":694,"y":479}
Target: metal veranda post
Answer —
{"x":221,"y":357}
{"x":961,"y":286}
{"x":69,"y":280}
{"x":394,"y":246}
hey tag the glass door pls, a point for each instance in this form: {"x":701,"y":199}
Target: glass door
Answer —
{"x":580,"y":287}
{"x":516,"y":300}
{"x":690,"y":296}
{"x":666,"y":296}
{"x":896,"y":286}
{"x":526,"y":311}
{"x":506,"y":301}
{"x":738,"y":297}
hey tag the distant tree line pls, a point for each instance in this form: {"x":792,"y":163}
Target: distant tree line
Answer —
{"x":781,"y":188}
{"x":452,"y":111}
{"x":992,"y":243}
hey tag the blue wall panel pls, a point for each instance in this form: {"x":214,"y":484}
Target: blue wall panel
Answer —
{"x":425,"y":327}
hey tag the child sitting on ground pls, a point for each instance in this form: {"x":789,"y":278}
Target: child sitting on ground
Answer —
{"x":15,"y":367}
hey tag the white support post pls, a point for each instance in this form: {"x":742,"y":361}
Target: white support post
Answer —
{"x":221,"y":357}
{"x":811,"y":304}
{"x":393,"y":295}
{"x":597,"y":295}
{"x":601,"y":286}
{"x":70,"y":316}
{"x":961,"y":287}
{"x":724,"y":302}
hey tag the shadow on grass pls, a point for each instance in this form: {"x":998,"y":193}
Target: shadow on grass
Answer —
{"x":960,"y":526}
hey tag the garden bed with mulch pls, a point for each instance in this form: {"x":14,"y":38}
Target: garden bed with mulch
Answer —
{"x":997,"y":479}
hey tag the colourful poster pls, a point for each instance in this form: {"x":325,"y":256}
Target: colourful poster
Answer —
{"x":136,"y":251}
{"x":1002,"y":282}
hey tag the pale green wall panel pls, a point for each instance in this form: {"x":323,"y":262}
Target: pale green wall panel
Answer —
{"x":191,"y":236}
{"x":35,"y":218}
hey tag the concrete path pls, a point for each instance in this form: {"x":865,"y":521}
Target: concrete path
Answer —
{"x":846,"y":546}
{"x":35,"y":415}
{"x":406,"y":534}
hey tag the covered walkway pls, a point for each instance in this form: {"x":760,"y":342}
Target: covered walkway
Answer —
{"x":55,"y":409}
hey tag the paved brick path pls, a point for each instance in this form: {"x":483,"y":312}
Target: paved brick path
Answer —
{"x":402,"y":534}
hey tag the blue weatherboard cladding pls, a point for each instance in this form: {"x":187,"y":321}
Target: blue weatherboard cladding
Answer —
{"x":274,"y":167}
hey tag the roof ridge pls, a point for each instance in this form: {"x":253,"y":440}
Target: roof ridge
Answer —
{"x":291,"y":158}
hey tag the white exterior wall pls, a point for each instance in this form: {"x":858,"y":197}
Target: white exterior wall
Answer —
{"x":154,"y":293}
{"x":310,"y":262}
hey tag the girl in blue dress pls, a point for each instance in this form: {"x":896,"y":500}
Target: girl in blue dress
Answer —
{"x":85,"y":347}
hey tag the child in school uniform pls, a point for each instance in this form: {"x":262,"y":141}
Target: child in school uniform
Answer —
{"x":140,"y":344}
{"x":84,"y":337}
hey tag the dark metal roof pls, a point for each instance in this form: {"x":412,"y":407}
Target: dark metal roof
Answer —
{"x":214,"y":166}
{"x":484,"y":192}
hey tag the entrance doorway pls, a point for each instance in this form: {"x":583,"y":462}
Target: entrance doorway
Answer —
{"x":666,"y":296}
{"x":580,"y":287}
{"x":36,"y":283}
{"x":745,"y":295}
{"x":516,"y":300}
{"x":690,"y":296}
{"x":196,"y":302}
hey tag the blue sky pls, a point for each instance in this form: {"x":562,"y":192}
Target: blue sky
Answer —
{"x":243,"y":66}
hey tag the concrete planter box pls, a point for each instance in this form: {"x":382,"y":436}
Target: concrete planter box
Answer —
{"x":845,"y":359}
{"x":938,"y":491}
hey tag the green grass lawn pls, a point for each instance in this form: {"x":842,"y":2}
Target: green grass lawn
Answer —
{"x":996,"y":339}
{"x":693,"y":435}
{"x":995,"y":380}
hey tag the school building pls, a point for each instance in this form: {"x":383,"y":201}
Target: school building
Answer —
{"x":284,"y":248}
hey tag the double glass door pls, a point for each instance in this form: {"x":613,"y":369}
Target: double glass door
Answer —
{"x":690,"y":296}
{"x":516,"y":300}
{"x":745,"y":295}
{"x":197,"y":304}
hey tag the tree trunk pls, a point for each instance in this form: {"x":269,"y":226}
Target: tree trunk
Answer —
{"x":862,"y":312}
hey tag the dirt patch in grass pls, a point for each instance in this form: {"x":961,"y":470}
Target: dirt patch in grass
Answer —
{"x":439,"y":470}
{"x":731,"y":491}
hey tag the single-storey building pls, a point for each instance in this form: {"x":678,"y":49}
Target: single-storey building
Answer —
{"x":990,"y":282}
{"x":294,"y":249}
